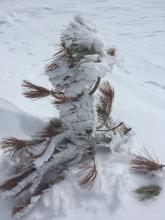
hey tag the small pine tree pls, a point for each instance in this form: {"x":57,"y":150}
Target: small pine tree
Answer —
{"x":83,"y":127}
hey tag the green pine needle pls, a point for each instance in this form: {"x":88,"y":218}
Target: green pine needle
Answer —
{"x":148,"y":192}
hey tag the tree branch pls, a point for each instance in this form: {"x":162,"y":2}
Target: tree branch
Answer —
{"x":95,"y":86}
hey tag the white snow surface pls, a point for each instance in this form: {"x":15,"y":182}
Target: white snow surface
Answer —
{"x":29,"y":34}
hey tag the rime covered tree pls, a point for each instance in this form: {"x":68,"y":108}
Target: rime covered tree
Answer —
{"x":84,"y":127}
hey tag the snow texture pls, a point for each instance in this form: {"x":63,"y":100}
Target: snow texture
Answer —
{"x":29,"y":32}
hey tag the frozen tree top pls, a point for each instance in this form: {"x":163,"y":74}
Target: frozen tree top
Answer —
{"x":82,"y":51}
{"x":80,"y":33}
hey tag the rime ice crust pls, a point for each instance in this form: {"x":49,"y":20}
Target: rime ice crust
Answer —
{"x":78,"y":76}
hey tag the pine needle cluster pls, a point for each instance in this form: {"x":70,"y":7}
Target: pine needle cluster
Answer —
{"x":104,"y":105}
{"x":145,"y":164}
{"x":148,"y":192}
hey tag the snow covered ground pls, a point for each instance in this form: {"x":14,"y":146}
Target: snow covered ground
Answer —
{"x":29,"y":34}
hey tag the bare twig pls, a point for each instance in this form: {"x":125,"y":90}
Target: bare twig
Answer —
{"x":127,"y":130}
{"x":112,"y":129}
{"x":95,"y":86}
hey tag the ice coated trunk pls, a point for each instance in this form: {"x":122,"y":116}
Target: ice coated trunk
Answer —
{"x":78,"y":117}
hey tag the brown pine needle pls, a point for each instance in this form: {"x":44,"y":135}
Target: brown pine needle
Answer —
{"x":112,"y":51}
{"x":12,"y":145}
{"x":34,"y":91}
{"x":60,"y":99}
{"x":22,"y":206}
{"x":13,"y":142}
{"x":104,"y":105}
{"x":27,"y":187}
{"x":88,"y":174}
{"x":54,"y":63}
{"x":123,"y":129}
{"x":52,"y":129}
{"x":13,"y":182}
{"x":52,"y":66}
{"x":145,"y":164}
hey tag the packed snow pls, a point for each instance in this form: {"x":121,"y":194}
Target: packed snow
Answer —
{"x":29,"y":36}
